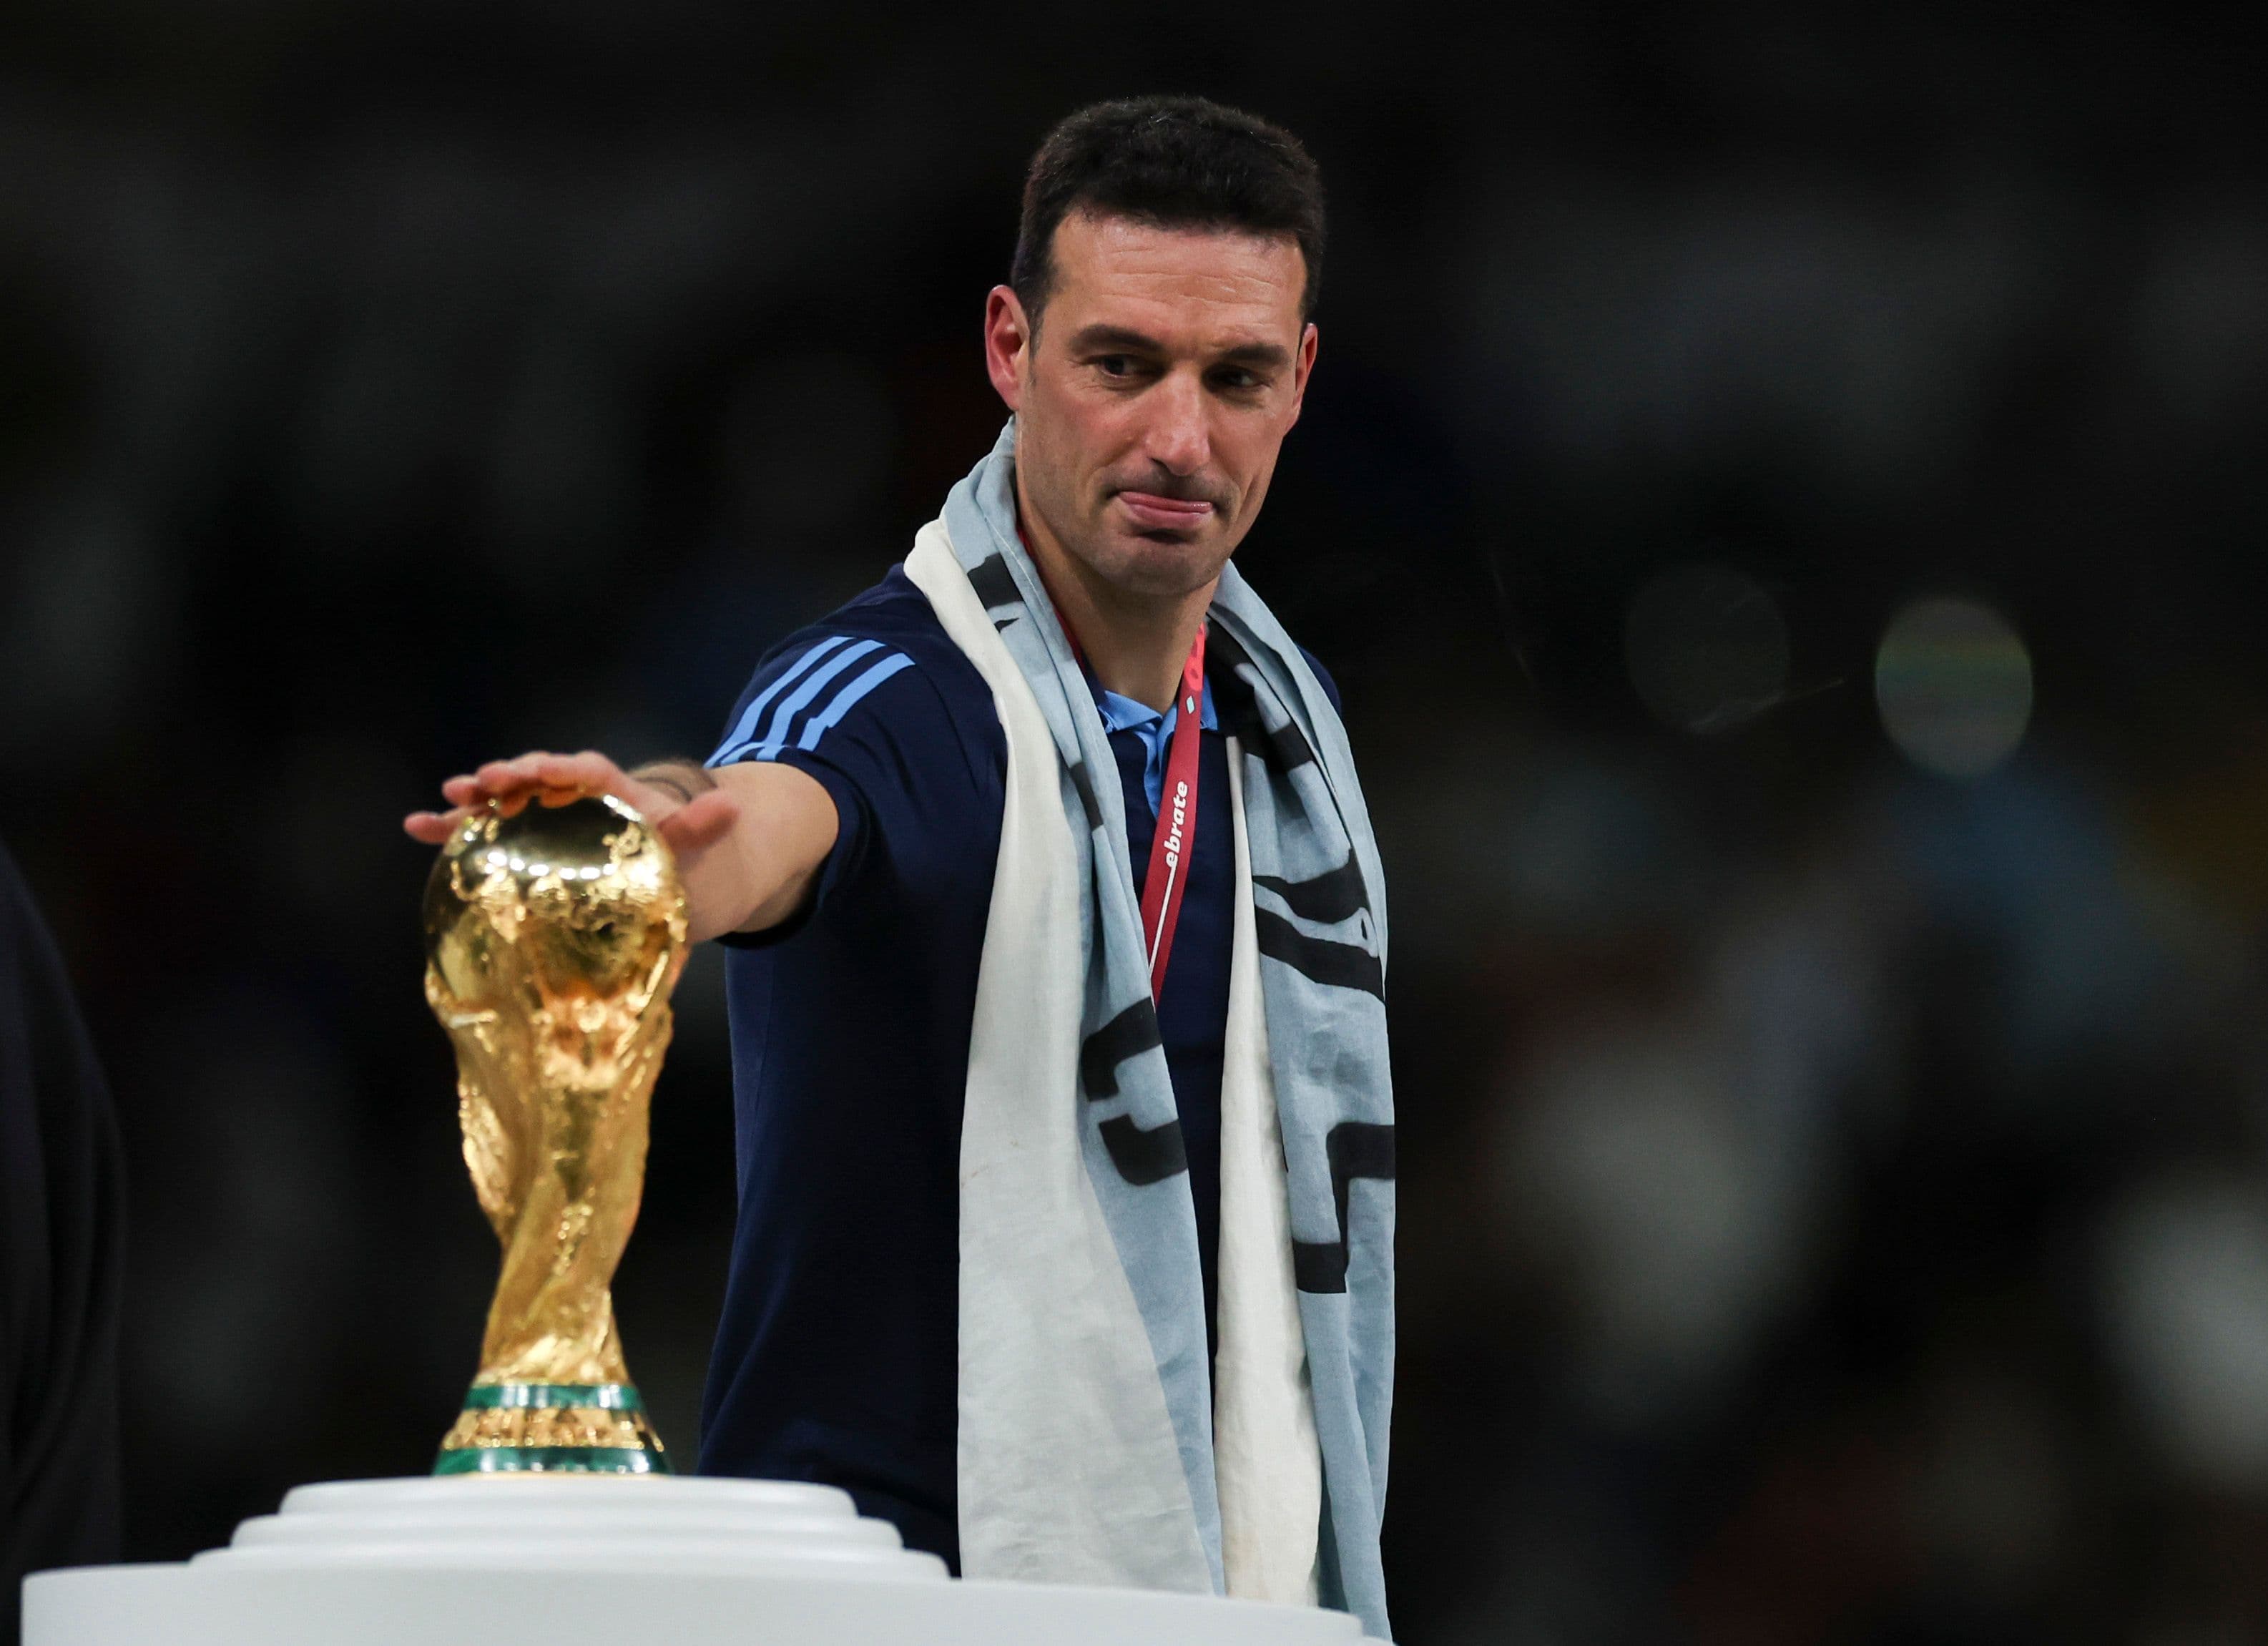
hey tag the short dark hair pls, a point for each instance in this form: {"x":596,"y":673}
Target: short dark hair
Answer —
{"x":1175,"y":162}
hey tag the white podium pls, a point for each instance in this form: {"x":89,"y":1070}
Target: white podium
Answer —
{"x":548,"y":1560}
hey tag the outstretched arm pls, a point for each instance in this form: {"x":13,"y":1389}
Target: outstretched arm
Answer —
{"x":750,"y":839}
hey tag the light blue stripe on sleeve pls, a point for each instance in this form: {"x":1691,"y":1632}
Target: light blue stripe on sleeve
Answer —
{"x":847,"y":699}
{"x":775,"y":733}
{"x":737,"y":745}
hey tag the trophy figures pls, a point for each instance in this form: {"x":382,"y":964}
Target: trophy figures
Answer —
{"x":553,"y":939}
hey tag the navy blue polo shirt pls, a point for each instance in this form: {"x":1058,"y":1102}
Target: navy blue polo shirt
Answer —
{"x":836,"y":1354}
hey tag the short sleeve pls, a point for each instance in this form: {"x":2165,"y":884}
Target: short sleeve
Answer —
{"x":854,"y":713}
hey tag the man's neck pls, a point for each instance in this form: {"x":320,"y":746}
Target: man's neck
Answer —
{"x":1136,"y":644}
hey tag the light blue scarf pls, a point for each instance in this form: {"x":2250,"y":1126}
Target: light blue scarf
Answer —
{"x":1318,"y":915}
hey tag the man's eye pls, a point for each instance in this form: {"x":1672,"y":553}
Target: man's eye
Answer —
{"x":1116,"y":364}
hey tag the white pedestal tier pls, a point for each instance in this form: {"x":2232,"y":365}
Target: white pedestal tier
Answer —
{"x":605,"y":1560}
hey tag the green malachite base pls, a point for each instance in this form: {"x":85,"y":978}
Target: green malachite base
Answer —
{"x":552,"y":1428}
{"x":551,"y":1460}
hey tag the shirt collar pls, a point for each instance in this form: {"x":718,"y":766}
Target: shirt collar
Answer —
{"x":1124,"y":714}
{"x":1155,"y":730}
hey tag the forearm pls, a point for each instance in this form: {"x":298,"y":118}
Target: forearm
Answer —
{"x":760,"y":870}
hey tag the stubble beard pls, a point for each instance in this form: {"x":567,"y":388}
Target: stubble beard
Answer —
{"x":1147,"y":569}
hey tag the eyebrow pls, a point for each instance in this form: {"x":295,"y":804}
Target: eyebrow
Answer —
{"x":1272,"y":355}
{"x":1103,"y":336}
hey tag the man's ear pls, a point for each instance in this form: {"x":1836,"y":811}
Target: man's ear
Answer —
{"x":1007,"y":344}
{"x":1303,"y":367}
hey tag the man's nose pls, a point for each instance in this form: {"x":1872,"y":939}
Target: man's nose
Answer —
{"x":1178,"y":439}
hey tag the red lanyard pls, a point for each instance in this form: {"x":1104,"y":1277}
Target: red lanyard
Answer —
{"x":1177,"y":823}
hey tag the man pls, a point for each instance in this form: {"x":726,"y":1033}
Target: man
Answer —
{"x":1064,"y":1122}
{"x":62,"y":1240}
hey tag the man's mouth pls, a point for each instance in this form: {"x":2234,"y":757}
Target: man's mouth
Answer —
{"x":1154,"y":512}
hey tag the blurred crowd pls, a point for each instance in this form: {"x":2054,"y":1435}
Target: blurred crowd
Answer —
{"x":1782,"y":493}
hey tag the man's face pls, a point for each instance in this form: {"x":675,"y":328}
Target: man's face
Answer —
{"x":1168,"y":367}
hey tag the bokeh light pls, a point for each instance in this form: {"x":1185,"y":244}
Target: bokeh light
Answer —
{"x":1954,"y":682}
{"x":1707,"y":648}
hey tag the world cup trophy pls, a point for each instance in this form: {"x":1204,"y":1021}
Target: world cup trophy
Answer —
{"x":553,"y":938}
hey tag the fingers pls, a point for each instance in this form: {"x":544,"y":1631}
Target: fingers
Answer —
{"x":701,"y":821}
{"x":586,"y":774}
{"x":430,"y":828}
{"x":553,"y":780}
{"x":435,"y":827}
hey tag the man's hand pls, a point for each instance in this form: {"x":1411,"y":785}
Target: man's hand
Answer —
{"x":748,"y":839}
{"x":689,"y":814}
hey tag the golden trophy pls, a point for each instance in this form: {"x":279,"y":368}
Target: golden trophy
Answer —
{"x":553,"y":938}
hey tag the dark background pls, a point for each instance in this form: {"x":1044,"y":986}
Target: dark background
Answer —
{"x":1833,"y":1196}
